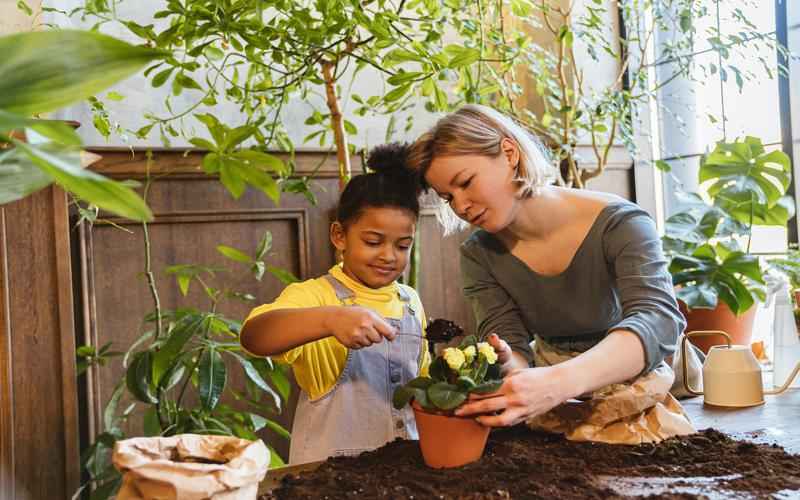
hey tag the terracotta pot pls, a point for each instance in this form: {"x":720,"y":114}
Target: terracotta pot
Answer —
{"x":740,"y":328}
{"x":448,"y":441}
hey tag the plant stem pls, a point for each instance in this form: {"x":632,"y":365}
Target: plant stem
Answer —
{"x":337,"y":124}
{"x":148,"y":271}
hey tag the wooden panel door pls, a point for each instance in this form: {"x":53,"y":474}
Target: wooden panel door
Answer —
{"x":38,"y":403}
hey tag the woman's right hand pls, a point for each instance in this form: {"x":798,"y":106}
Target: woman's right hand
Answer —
{"x":356,"y":327}
{"x":505,"y":356}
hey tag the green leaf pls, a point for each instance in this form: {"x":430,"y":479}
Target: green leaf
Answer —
{"x":211,"y":378}
{"x":64,"y":167}
{"x":202,"y":143}
{"x":237,"y":136}
{"x":183,"y":283}
{"x":110,"y":411}
{"x":256,"y":378}
{"x":151,"y":425}
{"x":278,"y":429}
{"x":397,"y":93}
{"x":286,"y":277}
{"x":461,"y":56}
{"x":231,"y":176}
{"x":487,"y":387}
{"x":21,"y":5}
{"x":178,"y":336}
{"x":161,"y":77}
{"x":45,"y":70}
{"x":264,"y":245}
{"x":466,"y":383}
{"x":262,"y":160}
{"x":275,"y":461}
{"x":213,"y":53}
{"x":19,"y":177}
{"x":138,"y":378}
{"x":402,"y":396}
{"x":663,"y":166}
{"x":446,"y":396}
{"x":702,"y":296}
{"x":234,"y":254}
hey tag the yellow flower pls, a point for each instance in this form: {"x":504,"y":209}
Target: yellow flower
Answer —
{"x":488,"y":352}
{"x":454,"y":357}
{"x":469,"y":353}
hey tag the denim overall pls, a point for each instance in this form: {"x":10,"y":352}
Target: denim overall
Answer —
{"x":356,"y":414}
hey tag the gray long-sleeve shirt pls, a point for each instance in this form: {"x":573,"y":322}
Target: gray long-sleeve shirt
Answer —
{"x":618,"y":279}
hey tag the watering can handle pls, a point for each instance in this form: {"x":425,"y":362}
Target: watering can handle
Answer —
{"x":685,"y":354}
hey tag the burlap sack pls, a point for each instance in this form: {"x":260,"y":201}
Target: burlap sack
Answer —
{"x":190,"y":467}
{"x":642,"y":411}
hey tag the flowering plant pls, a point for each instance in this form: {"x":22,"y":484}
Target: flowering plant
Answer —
{"x":454,"y":374}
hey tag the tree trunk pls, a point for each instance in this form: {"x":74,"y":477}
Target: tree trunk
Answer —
{"x":337,"y":124}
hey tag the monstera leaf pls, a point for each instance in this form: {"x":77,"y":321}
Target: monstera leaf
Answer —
{"x":749,"y":183}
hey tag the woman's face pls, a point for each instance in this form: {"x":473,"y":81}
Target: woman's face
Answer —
{"x":479,"y":189}
{"x":376,"y":246}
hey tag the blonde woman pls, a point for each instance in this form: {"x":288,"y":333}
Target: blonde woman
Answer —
{"x":580,"y":272}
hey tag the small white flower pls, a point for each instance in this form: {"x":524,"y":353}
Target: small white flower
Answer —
{"x":488,"y":352}
{"x":454,"y":357}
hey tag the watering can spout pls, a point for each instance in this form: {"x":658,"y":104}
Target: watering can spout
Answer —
{"x":787,"y":383}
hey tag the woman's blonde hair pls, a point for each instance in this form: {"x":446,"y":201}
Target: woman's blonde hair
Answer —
{"x":480,"y":130}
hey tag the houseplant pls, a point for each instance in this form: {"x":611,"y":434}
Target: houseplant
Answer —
{"x":45,"y":71}
{"x":177,"y":370}
{"x":716,"y":276}
{"x":457,"y":372}
{"x":543,"y":63}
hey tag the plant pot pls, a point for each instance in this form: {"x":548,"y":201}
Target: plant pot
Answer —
{"x":448,"y":441}
{"x":740,"y":328}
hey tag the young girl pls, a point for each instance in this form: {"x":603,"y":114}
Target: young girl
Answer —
{"x":355,"y":334}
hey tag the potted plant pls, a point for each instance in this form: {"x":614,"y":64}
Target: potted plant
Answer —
{"x":717,"y":278}
{"x":447,"y":440}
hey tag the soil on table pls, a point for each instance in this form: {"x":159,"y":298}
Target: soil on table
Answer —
{"x":520,"y":463}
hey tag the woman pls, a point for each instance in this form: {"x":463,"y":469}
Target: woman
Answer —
{"x":580,"y":272}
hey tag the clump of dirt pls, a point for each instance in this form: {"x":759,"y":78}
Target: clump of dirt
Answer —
{"x":521,"y":463}
{"x":442,"y":331}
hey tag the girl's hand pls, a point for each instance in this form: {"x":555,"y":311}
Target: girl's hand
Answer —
{"x":356,"y":327}
{"x":525,"y":393}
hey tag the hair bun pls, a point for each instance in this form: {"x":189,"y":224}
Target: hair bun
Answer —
{"x":391,"y":159}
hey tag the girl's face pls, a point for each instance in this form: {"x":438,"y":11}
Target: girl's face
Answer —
{"x":376,"y":246}
{"x":479,"y":189}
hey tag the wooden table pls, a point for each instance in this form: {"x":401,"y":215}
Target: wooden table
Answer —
{"x":776,"y":421}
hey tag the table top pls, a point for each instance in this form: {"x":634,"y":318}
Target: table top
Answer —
{"x":776,"y":421}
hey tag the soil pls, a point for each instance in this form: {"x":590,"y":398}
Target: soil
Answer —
{"x":520,"y":463}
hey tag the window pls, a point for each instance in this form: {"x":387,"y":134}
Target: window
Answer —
{"x":723,"y":99}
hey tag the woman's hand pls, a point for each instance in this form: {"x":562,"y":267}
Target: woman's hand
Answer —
{"x":506,"y":358}
{"x":525,"y":393}
{"x":356,"y":327}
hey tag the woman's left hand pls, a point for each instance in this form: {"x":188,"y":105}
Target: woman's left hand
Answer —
{"x":525,"y":393}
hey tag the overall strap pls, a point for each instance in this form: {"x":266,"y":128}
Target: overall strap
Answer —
{"x":342,"y":292}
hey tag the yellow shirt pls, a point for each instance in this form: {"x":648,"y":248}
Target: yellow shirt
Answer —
{"x":317,"y":365}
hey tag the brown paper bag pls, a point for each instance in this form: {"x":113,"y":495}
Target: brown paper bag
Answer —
{"x":642,"y":411}
{"x":190,"y":467}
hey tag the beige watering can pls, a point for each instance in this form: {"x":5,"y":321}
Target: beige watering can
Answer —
{"x":731,"y":374}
